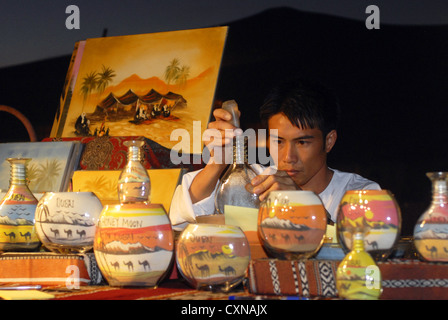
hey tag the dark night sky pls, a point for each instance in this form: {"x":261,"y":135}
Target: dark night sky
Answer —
{"x":32,"y":30}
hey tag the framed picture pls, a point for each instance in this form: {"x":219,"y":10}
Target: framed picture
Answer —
{"x":145,"y":85}
{"x":50,"y":168}
{"x":104,"y":184}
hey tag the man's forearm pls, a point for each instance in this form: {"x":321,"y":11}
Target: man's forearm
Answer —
{"x":205,"y":182}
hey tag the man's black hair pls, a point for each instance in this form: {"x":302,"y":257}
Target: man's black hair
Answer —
{"x":306,"y":104}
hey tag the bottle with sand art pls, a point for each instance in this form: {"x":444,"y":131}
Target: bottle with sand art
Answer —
{"x":358,"y":277}
{"x":431,"y":229}
{"x":134,"y":240}
{"x":17,"y":211}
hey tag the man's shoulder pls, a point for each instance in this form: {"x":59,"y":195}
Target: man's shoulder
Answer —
{"x":353,"y":181}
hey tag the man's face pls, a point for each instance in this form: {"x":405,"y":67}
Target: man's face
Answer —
{"x":301,"y":152}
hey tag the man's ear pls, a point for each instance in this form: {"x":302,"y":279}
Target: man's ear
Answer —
{"x":330,"y":140}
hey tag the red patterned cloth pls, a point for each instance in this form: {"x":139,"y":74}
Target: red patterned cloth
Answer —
{"x":109,"y":153}
{"x":167,"y":290}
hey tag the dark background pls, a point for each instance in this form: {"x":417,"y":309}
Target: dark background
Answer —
{"x":392,"y":84}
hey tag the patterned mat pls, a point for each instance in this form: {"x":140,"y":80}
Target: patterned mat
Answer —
{"x":168,"y":290}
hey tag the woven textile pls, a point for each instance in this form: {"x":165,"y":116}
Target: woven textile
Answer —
{"x":293,"y":277}
{"x":49,"y":269}
{"x":401,"y":279}
{"x":414,"y":279}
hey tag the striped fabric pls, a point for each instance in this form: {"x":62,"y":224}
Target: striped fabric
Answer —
{"x":401,"y":279}
{"x":44,"y":268}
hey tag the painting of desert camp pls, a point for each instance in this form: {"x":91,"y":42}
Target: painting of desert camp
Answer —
{"x":142,"y":85}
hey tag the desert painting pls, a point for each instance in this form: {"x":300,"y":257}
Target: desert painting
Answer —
{"x":143,"y":85}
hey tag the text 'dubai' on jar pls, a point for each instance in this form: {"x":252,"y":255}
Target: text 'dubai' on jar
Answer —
{"x":66,"y":221}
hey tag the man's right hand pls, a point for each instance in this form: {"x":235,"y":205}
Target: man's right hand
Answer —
{"x":219,"y":135}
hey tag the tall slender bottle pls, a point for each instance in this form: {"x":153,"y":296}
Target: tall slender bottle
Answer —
{"x":134,"y":184}
{"x":431,"y":229}
{"x":134,"y":241}
{"x":358,"y":277}
{"x":232,"y":188}
{"x":17,"y":211}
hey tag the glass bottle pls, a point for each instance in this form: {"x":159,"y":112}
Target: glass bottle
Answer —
{"x":358,"y":277}
{"x":134,"y":184}
{"x":134,"y":241}
{"x":376,"y":214}
{"x":232,"y":189}
{"x":17,"y":211}
{"x":232,"y":107}
{"x":431,"y":229}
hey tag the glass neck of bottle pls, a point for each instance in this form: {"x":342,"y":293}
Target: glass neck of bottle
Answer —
{"x":439,"y":191}
{"x":134,"y":153}
{"x":358,"y":242}
{"x":240,"y":150}
{"x":18,"y":174}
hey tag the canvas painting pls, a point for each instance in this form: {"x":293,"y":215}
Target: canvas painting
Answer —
{"x":104,"y":184}
{"x":50,"y":167}
{"x":146,"y":85}
{"x":67,"y":90}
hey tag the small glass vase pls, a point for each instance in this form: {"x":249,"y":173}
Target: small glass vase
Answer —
{"x":17,"y":212}
{"x":431,"y":229}
{"x":292,"y":224}
{"x":66,"y":221}
{"x":134,"y":244}
{"x":134,"y":241}
{"x":376,"y":214}
{"x":213,"y":257}
{"x":232,"y":188}
{"x":357,"y":276}
{"x":134,"y":184}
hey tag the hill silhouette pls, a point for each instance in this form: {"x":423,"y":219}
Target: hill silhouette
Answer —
{"x":142,"y":86}
{"x":391,"y":83}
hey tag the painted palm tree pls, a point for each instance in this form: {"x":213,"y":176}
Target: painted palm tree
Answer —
{"x":172,"y":71}
{"x":102,"y":186}
{"x":104,"y":78}
{"x":32,"y":173}
{"x":48,"y":174}
{"x":89,"y":83}
{"x":183,"y":75}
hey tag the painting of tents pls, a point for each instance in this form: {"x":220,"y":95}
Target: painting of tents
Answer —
{"x":142,"y":85}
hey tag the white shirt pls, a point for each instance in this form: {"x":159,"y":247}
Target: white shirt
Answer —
{"x":183,"y":211}
{"x":339,"y":184}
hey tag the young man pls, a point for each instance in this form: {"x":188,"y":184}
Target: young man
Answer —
{"x":306,"y":117}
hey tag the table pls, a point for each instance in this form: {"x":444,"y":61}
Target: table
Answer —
{"x":271,"y":278}
{"x":167,"y":290}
